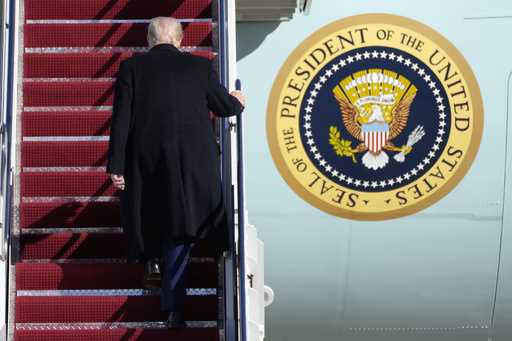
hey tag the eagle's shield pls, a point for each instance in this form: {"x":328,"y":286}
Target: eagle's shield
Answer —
{"x":375,"y":136}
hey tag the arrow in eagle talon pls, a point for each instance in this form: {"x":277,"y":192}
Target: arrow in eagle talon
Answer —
{"x":416,"y":135}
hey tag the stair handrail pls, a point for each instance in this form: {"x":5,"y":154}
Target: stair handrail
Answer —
{"x":227,"y":62}
{"x":6,"y":99}
{"x":3,"y":98}
{"x":241,"y":220}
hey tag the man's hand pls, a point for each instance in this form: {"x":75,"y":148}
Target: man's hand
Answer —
{"x":118,"y":181}
{"x":239,"y":96}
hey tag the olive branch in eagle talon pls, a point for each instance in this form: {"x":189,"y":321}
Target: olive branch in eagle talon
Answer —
{"x":341,"y":147}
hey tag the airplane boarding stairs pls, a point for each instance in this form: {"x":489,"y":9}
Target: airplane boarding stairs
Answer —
{"x":70,"y":280}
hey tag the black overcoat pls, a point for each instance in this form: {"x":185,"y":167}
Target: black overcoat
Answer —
{"x":163,"y":142}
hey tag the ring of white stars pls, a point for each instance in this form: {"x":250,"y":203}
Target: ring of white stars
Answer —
{"x":359,"y":183}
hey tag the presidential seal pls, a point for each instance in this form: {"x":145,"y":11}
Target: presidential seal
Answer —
{"x":374,"y":117}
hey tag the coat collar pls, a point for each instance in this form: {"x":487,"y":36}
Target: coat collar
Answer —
{"x":164,"y":47}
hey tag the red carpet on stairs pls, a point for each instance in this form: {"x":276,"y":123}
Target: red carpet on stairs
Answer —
{"x":59,"y":94}
{"x":120,"y":9}
{"x":106,"y":35}
{"x":66,"y":184}
{"x":70,"y":309}
{"x":72,"y":280}
{"x":79,"y":65}
{"x":53,"y":276}
{"x":75,"y":214}
{"x":83,"y":245}
{"x":63,"y":153}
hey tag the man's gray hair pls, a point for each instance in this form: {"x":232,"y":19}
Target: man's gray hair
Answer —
{"x":163,"y":30}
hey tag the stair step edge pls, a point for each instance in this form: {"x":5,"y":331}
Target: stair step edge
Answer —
{"x":110,"y":21}
{"x":47,"y":230}
{"x":112,"y":292}
{"x":102,"y":260}
{"x":108,"y":325}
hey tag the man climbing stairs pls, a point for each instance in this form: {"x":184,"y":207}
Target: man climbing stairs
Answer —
{"x":71,"y":278}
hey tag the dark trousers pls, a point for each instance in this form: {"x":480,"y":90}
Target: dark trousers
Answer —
{"x":174,"y":261}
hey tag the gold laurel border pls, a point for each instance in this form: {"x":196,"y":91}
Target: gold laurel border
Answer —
{"x":376,"y":18}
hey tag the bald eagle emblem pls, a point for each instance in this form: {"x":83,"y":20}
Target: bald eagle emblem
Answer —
{"x":375,"y":106}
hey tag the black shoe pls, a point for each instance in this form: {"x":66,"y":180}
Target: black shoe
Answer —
{"x":152,"y":270}
{"x":176,"y":320}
